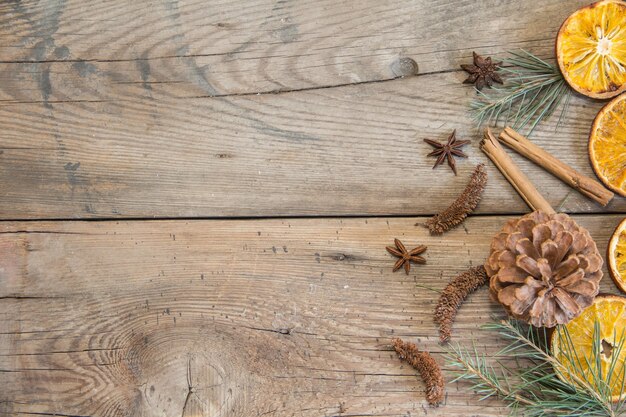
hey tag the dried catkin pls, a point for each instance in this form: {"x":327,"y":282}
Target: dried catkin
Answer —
{"x":464,"y":205}
{"x":426,"y":366}
{"x":453,"y":296}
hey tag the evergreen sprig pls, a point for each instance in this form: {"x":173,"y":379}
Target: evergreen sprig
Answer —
{"x":533,"y":89}
{"x":539,"y":385}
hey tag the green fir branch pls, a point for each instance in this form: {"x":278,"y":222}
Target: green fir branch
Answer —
{"x":540,"y":385}
{"x":533,"y":89}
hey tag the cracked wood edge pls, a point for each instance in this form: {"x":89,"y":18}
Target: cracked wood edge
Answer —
{"x":237,"y":318}
{"x":199,"y":48}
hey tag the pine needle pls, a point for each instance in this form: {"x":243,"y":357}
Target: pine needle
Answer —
{"x":540,"y":385}
{"x":533,"y":89}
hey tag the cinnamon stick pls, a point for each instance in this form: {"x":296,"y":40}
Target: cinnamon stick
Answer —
{"x":492,"y":148}
{"x":585,"y":185}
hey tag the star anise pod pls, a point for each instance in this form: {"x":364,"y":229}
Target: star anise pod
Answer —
{"x":406,"y":256}
{"x":483,"y":72}
{"x":451,"y":149}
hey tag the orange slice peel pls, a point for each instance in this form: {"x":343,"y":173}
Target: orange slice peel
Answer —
{"x":591,"y":49}
{"x":607,"y":145}
{"x":591,"y":347}
{"x":616,"y":256}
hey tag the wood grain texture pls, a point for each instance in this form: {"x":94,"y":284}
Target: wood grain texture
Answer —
{"x":232,"y":318}
{"x":354,"y":150}
{"x":136,"y":109}
{"x":260,"y":45}
{"x":263,"y":108}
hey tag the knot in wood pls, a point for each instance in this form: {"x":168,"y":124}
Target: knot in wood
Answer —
{"x":404,"y":67}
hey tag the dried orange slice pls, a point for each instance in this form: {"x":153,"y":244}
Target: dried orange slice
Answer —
{"x":583,"y":356}
{"x":591,"y":49}
{"x":607,"y":145}
{"x":617,"y":256}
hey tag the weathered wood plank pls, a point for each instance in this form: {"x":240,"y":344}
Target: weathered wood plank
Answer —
{"x":354,"y":150}
{"x":108,"y":111}
{"x":259,"y":45}
{"x":259,"y":317}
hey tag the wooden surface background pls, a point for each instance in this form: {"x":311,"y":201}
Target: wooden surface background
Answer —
{"x":196,"y":197}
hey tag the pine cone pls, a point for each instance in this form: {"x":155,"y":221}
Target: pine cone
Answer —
{"x":544,"y":269}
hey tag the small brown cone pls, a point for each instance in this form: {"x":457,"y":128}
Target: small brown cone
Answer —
{"x":425,"y":364}
{"x":453,"y":296}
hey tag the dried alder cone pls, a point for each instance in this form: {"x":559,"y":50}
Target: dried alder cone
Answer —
{"x":453,"y":296}
{"x":427,"y":367}
{"x":544,"y":269}
{"x":464,"y":205}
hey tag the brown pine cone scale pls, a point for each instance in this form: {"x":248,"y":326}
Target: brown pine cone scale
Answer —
{"x":544,"y":269}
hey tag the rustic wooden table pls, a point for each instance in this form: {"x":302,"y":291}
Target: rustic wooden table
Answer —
{"x":196,"y":198}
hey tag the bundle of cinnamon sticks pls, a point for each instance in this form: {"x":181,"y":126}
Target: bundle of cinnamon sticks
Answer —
{"x":585,"y":185}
